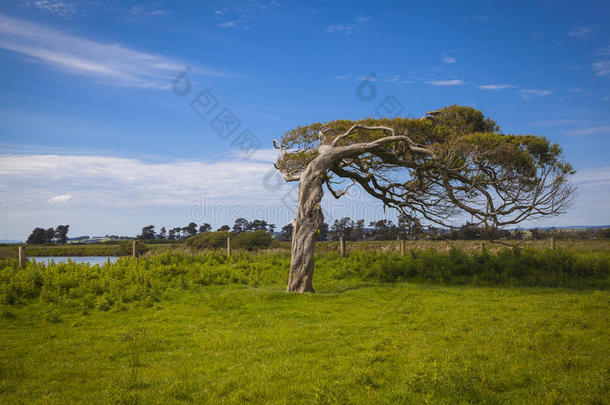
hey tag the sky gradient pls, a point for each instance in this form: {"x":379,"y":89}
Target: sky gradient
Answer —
{"x":94,"y":134}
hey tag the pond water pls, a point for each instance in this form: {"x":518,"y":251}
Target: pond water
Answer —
{"x":75,"y":259}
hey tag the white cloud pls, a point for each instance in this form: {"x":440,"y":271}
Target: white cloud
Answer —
{"x":57,"y":7}
{"x":59,"y":199}
{"x":230,"y":24}
{"x":371,"y":78}
{"x":108,"y":63}
{"x":449,"y":59}
{"x":147,"y":10}
{"x":360,"y":23}
{"x":345,"y":28}
{"x":602,"y":67}
{"x":219,"y":13}
{"x":494,"y":86}
{"x":528,"y":94}
{"x":123,"y":182}
{"x":579,"y":33}
{"x":445,"y":82}
{"x":342,"y":77}
{"x":120,"y":195}
{"x":604,"y":129}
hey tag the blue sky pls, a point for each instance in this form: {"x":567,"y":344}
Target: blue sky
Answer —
{"x":92,"y":134}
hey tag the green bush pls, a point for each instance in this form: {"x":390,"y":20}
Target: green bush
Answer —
{"x":252,"y":240}
{"x":144,"y":280}
{"x":218,"y":240}
{"x":518,"y":267}
{"x":209,"y":240}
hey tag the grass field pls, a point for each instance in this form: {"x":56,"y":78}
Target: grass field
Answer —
{"x":204,"y":329}
{"x":347,"y":344}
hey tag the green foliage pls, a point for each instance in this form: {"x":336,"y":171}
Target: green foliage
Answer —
{"x":254,"y":240}
{"x":454,"y":160}
{"x":148,"y":280}
{"x":143,"y":281}
{"x":209,"y":240}
{"x":512,"y":267}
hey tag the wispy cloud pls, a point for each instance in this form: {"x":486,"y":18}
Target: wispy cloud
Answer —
{"x":579,"y":32}
{"x":59,"y":199}
{"x":391,"y":78}
{"x":351,"y":28}
{"x":448,"y":57}
{"x":107,"y":63}
{"x":494,"y":86}
{"x":61,"y":8}
{"x":346,"y":28}
{"x":603,"y":129}
{"x":230,"y":24}
{"x":371,"y":78}
{"x":342,"y":77}
{"x":139,"y":11}
{"x":528,"y":94}
{"x":220,"y":12}
{"x":454,"y":82}
{"x":601,"y":68}
{"x":263,"y":4}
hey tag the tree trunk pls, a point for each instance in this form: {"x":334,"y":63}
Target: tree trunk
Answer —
{"x":305,"y":226}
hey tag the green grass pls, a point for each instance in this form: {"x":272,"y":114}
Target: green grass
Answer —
{"x":353,"y":343}
{"x":204,"y":329}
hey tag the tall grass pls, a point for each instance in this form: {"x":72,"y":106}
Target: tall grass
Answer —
{"x":147,"y":280}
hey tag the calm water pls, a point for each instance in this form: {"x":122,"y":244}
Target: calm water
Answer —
{"x":75,"y":259}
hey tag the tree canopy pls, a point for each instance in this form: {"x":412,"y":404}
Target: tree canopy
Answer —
{"x":450,"y":161}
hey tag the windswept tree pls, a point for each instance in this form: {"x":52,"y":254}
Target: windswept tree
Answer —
{"x":148,"y":233}
{"x":190,"y":229}
{"x":37,"y":237}
{"x":61,"y":233}
{"x":450,"y":162}
{"x":205,"y":227}
{"x":241,"y":225}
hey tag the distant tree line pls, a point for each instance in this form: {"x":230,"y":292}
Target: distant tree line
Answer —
{"x":192,"y":229}
{"x":50,"y":235}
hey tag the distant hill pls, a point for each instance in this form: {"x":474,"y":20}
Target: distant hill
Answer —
{"x":10,"y":241}
{"x":548,"y":228}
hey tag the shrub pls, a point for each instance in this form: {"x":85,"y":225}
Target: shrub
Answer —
{"x":209,"y":240}
{"x":218,"y":240}
{"x":252,"y":240}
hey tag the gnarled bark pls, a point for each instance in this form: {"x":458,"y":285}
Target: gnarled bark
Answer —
{"x":304,"y":227}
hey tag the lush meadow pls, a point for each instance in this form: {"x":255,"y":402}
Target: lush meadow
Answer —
{"x":433,"y":326}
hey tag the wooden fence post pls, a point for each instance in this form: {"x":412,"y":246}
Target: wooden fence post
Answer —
{"x":134,"y":249}
{"x":552,"y":242}
{"x":21,"y":256}
{"x":403,"y":246}
{"x":228,"y":246}
{"x":482,"y":247}
{"x":342,"y":246}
